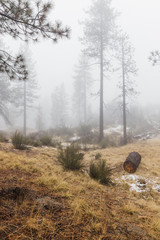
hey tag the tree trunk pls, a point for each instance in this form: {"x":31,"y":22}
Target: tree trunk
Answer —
{"x":132,"y":162}
{"x":124,"y":100}
{"x":85,"y":100}
{"x":25,"y":114}
{"x":101,"y":105}
{"x":101,"y":85}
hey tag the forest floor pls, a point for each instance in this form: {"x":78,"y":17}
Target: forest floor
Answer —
{"x":41,"y":201}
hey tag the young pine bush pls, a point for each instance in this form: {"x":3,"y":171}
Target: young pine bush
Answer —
{"x":46,"y":140}
{"x":71,"y":158}
{"x":3,"y":138}
{"x":108,"y":141}
{"x":100,"y":172}
{"x":18,"y":141}
{"x":98,"y":156}
{"x":33,"y":142}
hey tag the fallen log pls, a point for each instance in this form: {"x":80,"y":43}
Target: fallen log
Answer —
{"x":132,"y":162}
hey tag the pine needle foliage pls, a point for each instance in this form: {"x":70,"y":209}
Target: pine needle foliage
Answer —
{"x":18,"y":141}
{"x":71,"y":158}
{"x":27,"y":21}
{"x":100,"y":172}
{"x":98,"y":156}
{"x":46,"y":140}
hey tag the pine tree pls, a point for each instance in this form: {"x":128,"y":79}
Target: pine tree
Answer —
{"x":99,"y":32}
{"x":39,"y":119}
{"x":155,"y":57}
{"x":5,"y":97}
{"x":25,"y":93}
{"x":127,"y":66}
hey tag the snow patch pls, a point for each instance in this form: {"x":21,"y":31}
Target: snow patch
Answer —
{"x":139,"y":183}
{"x":134,"y":187}
{"x":130,"y":177}
{"x":157,"y":187}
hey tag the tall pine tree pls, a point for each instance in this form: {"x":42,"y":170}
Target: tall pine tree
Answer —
{"x":99,"y":32}
{"x":25,"y":92}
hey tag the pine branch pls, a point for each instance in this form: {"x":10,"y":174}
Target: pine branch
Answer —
{"x":26,"y":20}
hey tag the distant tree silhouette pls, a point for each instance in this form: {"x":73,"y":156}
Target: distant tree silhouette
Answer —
{"x":59,"y":108}
{"x":82,"y":82}
{"x":25,"y":93}
{"x":127,"y":66}
{"x":155,"y":57}
{"x":5,"y":97}
{"x":39,"y":119}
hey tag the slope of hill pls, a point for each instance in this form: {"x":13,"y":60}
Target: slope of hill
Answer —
{"x":39,"y":200}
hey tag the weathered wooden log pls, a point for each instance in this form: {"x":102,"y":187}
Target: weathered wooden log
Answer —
{"x":132,"y":162}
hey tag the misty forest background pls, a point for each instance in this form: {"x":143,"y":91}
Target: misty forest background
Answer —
{"x":105,"y":67}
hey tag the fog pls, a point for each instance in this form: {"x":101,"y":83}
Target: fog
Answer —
{"x":140,"y":19}
{"x":54,"y":63}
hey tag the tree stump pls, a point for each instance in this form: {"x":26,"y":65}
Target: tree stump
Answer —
{"x":132,"y":162}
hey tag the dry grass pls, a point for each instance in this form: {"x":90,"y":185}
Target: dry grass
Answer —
{"x":91,"y":211}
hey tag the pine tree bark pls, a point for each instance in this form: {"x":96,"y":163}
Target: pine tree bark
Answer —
{"x":25,"y":110}
{"x":101,"y":102}
{"x":101,"y":121}
{"x":85,"y":100}
{"x":124,"y":100}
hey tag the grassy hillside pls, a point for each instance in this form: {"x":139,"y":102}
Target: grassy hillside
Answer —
{"x":39,"y":200}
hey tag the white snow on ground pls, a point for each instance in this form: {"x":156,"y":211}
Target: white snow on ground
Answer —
{"x":134,"y":187}
{"x":118,"y":129}
{"x":130,"y":177}
{"x":139,"y":183}
{"x":74,"y":139}
{"x":157,"y":187}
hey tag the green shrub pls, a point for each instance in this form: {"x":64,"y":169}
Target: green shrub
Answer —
{"x":98,"y":155}
{"x":100,"y":172}
{"x":46,"y":140}
{"x":108,"y":141}
{"x":62,"y":131}
{"x":3,"y":138}
{"x":84,"y":130}
{"x":18,"y":141}
{"x":104,"y":143}
{"x":36,"y":143}
{"x":31,"y":141}
{"x":71,"y":158}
